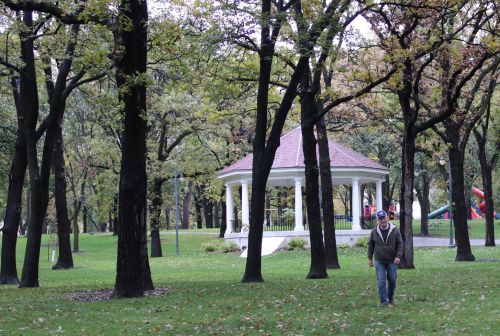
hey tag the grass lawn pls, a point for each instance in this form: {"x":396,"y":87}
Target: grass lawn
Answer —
{"x":206,"y":297}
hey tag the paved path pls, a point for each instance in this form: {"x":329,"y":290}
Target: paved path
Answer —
{"x":429,"y":241}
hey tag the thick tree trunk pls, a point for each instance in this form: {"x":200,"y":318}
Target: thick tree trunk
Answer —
{"x":132,"y":268}
{"x":29,"y":106}
{"x":8,"y":272}
{"x":406,"y":198}
{"x":464,"y":252}
{"x":317,"y":268}
{"x":156,"y":205}
{"x":331,"y":257}
{"x":65,"y":258}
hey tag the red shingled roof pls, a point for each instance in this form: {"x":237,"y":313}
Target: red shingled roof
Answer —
{"x":289,"y":155}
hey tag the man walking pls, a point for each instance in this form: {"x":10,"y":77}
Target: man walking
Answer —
{"x":386,"y":245}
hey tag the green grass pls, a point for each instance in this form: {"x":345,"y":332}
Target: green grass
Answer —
{"x":441,"y":228}
{"x":206,"y":297}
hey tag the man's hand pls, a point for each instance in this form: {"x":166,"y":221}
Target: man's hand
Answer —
{"x":370,"y":263}
{"x":397,"y":261}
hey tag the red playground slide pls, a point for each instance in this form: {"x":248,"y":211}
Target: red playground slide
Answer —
{"x":480,"y":194}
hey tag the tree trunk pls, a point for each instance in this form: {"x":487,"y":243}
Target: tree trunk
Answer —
{"x":29,"y":106}
{"x":386,"y":196}
{"x":464,"y":252}
{"x":84,"y":219}
{"x":423,"y":199}
{"x":197,"y":209}
{"x":8,"y":272}
{"x":486,"y":174}
{"x":115,"y":216}
{"x":406,"y":198}
{"x":331,"y":257}
{"x":186,"y":205}
{"x":156,"y":205}
{"x":167,"y":217}
{"x":208,"y":207}
{"x":132,"y":268}
{"x":223,"y":225}
{"x":65,"y":258}
{"x":216,"y":215}
{"x":317,"y":269}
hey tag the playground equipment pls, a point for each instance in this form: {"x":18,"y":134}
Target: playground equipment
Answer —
{"x":482,"y":206}
{"x":475,"y":210}
{"x":438,"y":212}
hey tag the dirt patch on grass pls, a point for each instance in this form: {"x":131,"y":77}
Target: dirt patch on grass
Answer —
{"x":105,"y":294}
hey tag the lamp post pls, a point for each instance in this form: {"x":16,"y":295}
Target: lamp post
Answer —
{"x":177,"y":215}
{"x":442,"y":162}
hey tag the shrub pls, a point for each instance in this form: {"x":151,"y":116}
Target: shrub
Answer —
{"x":362,"y":242}
{"x":230,"y":247}
{"x":219,"y":246}
{"x":343,"y":246}
{"x":211,"y":246}
{"x":297,"y":244}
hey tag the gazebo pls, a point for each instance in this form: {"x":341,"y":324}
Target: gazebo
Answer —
{"x":347,"y":166}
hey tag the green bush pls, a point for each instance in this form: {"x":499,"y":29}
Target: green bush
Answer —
{"x":230,"y":247}
{"x":343,"y":246}
{"x":362,"y":242}
{"x":219,"y":246}
{"x":297,"y":244}
{"x":212,"y":246}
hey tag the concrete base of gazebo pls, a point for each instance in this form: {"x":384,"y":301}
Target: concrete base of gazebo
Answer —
{"x":342,"y":236}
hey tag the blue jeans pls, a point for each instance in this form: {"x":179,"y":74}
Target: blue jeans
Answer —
{"x":389,"y":272}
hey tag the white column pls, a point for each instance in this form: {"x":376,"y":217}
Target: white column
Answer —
{"x":378,"y":195}
{"x":299,"y":226}
{"x":229,"y":209}
{"x":245,"y":213}
{"x":356,"y":213}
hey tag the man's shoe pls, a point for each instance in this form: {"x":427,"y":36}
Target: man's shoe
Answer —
{"x":390,"y":303}
{"x":384,"y":304}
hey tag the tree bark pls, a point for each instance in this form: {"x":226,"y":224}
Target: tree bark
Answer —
{"x":197,"y":208}
{"x":422,"y":190}
{"x":29,"y":106}
{"x":456,"y":157}
{"x":486,"y":175}
{"x":331,"y":257}
{"x":8,"y":271}
{"x":406,"y":198}
{"x":223,"y":225}
{"x":186,"y":205}
{"x":65,"y":258}
{"x":156,"y":205}
{"x":317,"y":268}
{"x":132,"y":270}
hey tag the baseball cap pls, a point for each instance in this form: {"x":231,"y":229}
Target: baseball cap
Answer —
{"x":381,"y":214}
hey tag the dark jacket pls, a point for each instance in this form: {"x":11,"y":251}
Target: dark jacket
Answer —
{"x":385,"y":252}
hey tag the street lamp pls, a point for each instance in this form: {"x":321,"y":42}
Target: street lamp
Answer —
{"x":442,"y":162}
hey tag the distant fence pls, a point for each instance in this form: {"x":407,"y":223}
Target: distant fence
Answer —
{"x":274,"y":222}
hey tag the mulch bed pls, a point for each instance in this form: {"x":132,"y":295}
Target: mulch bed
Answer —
{"x":105,"y":294}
